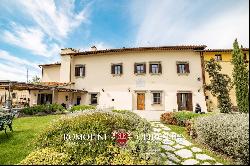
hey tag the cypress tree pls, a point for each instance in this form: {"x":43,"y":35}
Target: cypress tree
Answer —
{"x":240,"y":78}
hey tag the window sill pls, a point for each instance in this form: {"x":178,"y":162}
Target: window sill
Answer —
{"x":183,"y":74}
{"x":157,"y":104}
{"x":79,"y":76}
{"x":155,"y":73}
{"x":140,"y":74}
{"x":115,"y":75}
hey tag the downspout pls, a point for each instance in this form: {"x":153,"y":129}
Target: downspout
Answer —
{"x":203,"y":76}
{"x":70,"y":70}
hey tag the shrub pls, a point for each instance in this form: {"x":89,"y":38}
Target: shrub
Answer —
{"x":82,"y":107}
{"x":227,"y":133}
{"x":168,"y":118}
{"x":92,"y":151}
{"x":46,"y":156}
{"x":183,"y":116}
{"x":179,"y":118}
{"x":48,"y":109}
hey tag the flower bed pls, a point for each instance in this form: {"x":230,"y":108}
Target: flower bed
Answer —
{"x":82,"y":107}
{"x":179,"y":118}
{"x":43,"y":109}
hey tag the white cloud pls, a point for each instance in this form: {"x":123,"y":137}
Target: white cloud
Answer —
{"x":32,"y":39}
{"x":221,"y":31}
{"x":99,"y":46}
{"x":4,"y":55}
{"x":56,"y":21}
{"x":174,"y":22}
{"x":14,"y":68}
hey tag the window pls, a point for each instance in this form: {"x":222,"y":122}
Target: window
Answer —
{"x":13,"y":95}
{"x":140,"y":68}
{"x":182,"y":67}
{"x":44,"y":99}
{"x":93,"y":99}
{"x":80,"y":70}
{"x":184,"y":101}
{"x":155,"y":68}
{"x":218,"y":57}
{"x":116,"y":69}
{"x":157,"y":98}
{"x":245,"y":58}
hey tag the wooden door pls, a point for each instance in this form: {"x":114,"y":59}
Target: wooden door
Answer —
{"x":140,"y":101}
{"x":184,"y":101}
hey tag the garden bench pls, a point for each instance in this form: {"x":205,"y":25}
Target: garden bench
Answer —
{"x":6,"y":121}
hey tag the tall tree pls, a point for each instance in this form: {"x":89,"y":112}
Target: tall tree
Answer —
{"x":240,"y":77}
{"x":220,"y":85}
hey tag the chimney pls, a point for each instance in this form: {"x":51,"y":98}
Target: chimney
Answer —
{"x":68,"y":51}
{"x":93,"y":48}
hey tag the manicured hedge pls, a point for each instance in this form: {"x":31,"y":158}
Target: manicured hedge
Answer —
{"x":179,"y":118}
{"x":46,"y":108}
{"x":82,"y":107}
{"x":226,"y":133}
{"x":95,"y":151}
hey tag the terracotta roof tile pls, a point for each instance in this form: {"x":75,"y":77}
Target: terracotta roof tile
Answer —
{"x":51,"y":64}
{"x":222,"y":50}
{"x":180,"y":47}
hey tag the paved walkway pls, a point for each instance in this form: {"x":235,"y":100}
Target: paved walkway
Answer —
{"x":150,"y":115}
{"x":177,"y":150}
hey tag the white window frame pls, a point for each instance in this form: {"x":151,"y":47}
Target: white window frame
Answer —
{"x":159,"y":98}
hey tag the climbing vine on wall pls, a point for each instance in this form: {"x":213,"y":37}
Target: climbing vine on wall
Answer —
{"x":219,"y":86}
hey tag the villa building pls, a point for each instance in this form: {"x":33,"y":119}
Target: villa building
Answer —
{"x":146,"y":78}
{"x":169,"y":78}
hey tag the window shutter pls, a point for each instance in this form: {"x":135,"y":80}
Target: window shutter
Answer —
{"x":144,"y":68}
{"x":152,"y":98}
{"x":187,"y":68}
{"x":76,"y":71}
{"x":190,"y":102}
{"x":83,"y":70}
{"x":121,"y":69}
{"x":179,"y":101}
{"x":112,"y":69}
{"x":178,"y":69}
{"x":150,"y":68}
{"x":160,"y":69}
{"x":160,"y":98}
{"x":135,"y":69}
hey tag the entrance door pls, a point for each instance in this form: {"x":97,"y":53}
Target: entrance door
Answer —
{"x":141,"y":101}
{"x":184,"y":101}
{"x":78,"y":100}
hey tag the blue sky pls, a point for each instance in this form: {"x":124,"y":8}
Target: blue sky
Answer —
{"x":34,"y":31}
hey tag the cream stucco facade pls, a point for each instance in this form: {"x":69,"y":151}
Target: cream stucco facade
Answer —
{"x":120,"y":91}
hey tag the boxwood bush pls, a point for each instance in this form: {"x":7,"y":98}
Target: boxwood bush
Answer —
{"x":92,"y":151}
{"x":226,"y":133}
{"x":45,"y":108}
{"x":46,"y":156}
{"x":82,"y":107}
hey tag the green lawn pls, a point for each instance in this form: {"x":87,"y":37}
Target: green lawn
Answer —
{"x":219,"y":157}
{"x":19,"y":144}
